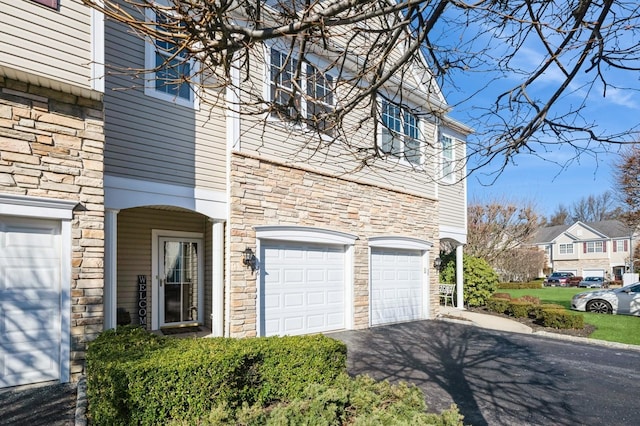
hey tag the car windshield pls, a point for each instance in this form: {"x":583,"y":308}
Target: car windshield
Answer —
{"x":593,"y":279}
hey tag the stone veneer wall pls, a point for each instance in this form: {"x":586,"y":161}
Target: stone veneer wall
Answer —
{"x":52,"y":146}
{"x":267,"y":193}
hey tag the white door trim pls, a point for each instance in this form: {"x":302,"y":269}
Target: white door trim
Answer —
{"x":156,"y":234}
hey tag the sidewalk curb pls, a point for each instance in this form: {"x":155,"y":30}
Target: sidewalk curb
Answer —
{"x":81,"y":403}
{"x":556,"y":336}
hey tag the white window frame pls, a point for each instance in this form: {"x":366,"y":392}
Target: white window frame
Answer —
{"x":566,"y":248}
{"x":402,"y":133}
{"x":595,"y":247}
{"x":150,"y":50}
{"x":301,"y":96}
{"x":447,"y":158}
{"x":620,"y":246}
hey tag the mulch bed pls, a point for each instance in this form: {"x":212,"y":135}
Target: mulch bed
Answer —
{"x":535,"y":325}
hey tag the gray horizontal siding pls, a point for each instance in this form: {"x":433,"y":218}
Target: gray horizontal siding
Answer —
{"x":152,"y":139}
{"x":46,"y":42}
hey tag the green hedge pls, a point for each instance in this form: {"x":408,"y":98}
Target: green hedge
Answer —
{"x":513,"y":286}
{"x":134,"y":377}
{"x":520,"y":309}
{"x":549,"y":315}
{"x":498,"y":305}
{"x":560,"y":318}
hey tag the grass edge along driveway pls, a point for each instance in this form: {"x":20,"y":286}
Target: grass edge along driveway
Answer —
{"x":613,"y":328}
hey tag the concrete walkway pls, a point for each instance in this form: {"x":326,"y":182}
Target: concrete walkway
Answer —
{"x":492,"y":322}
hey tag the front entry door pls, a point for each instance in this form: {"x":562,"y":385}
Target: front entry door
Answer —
{"x":180,"y":285}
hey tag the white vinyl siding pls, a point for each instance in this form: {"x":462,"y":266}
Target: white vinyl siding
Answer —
{"x":45,"y":42}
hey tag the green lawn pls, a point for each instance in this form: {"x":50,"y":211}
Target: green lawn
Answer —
{"x":614,"y":328}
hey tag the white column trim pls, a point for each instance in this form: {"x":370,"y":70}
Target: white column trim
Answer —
{"x":217,"y":279}
{"x":459,"y":277}
{"x":111,"y":268}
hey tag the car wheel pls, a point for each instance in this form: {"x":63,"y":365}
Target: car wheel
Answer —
{"x":599,"y":307}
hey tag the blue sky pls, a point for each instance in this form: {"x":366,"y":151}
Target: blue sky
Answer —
{"x":555,"y":175}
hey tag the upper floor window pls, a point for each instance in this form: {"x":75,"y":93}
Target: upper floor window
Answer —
{"x":170,"y":72}
{"x":400,"y":134}
{"x":288,"y":82}
{"x":448,"y":172}
{"x":620,"y":245}
{"x":594,"y":247}
{"x":566,"y":248}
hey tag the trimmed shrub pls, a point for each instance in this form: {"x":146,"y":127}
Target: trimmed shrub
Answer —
{"x":520,"y":309}
{"x":537,"y":310}
{"x":513,"y":286}
{"x":480,"y":280}
{"x":560,"y":318}
{"x":500,"y":306}
{"x":134,"y":377}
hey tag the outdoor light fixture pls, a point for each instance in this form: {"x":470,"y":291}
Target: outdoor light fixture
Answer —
{"x":437,"y":263}
{"x":249,"y":259}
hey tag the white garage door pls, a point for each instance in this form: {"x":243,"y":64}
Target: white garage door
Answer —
{"x":396,"y":285}
{"x":30,"y":300}
{"x":303,"y":288}
{"x":593,"y":273}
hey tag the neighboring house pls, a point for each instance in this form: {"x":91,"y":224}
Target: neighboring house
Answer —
{"x":587,"y":249}
{"x":194,"y":197}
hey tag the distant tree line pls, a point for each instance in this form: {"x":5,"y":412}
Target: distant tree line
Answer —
{"x":594,"y":208}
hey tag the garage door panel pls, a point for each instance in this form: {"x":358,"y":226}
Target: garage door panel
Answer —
{"x":23,"y":276}
{"x":21,"y":322}
{"x":309,"y":280}
{"x":293,"y":300}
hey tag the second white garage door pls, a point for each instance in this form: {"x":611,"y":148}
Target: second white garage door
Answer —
{"x":30,"y":327}
{"x":302,"y":288}
{"x":396,"y":285}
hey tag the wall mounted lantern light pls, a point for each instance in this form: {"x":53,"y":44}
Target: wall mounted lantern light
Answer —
{"x":437,"y":263}
{"x":249,"y":259}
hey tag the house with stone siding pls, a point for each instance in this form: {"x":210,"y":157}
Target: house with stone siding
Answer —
{"x":156,"y":210}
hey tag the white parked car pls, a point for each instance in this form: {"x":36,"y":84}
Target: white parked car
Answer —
{"x":624,"y":300}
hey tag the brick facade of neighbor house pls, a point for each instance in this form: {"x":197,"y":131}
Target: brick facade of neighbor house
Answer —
{"x":264,"y":192}
{"x":52,"y":146}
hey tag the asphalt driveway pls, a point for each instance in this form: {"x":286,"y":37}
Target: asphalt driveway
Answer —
{"x":501,"y":378}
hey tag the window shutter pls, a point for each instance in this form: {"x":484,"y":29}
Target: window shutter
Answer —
{"x":626,"y":247}
{"x":604,"y":246}
{"x":53,"y":4}
{"x":615,"y":246}
{"x":584,"y":247}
